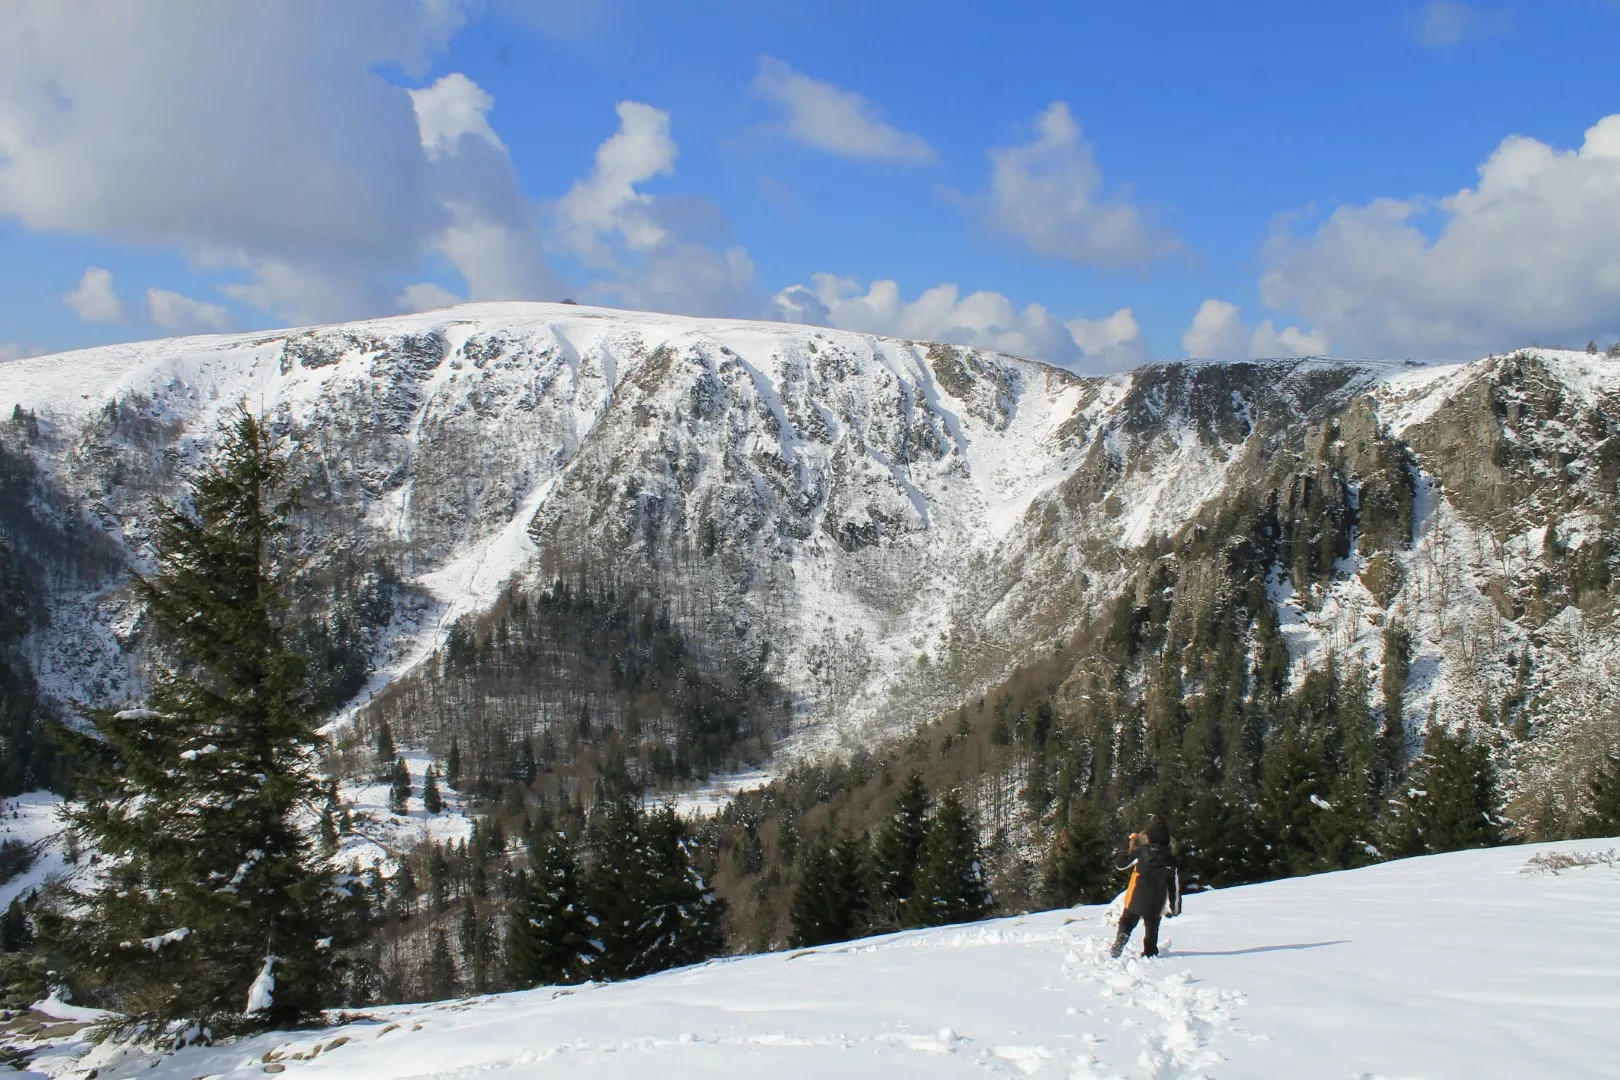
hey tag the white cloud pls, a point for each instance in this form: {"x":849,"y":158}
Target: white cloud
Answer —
{"x":641,"y":247}
{"x":178,"y":125}
{"x":982,"y":319}
{"x":1531,"y":253}
{"x":451,"y":108}
{"x":425,"y":296}
{"x":1111,"y":343}
{"x":183,"y":315}
{"x":1047,"y":193}
{"x":1217,"y":332}
{"x":94,"y":300}
{"x":607,"y":202}
{"x":841,"y":122}
{"x":1444,"y":23}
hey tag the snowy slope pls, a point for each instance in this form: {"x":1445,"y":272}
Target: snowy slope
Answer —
{"x":1485,"y":964}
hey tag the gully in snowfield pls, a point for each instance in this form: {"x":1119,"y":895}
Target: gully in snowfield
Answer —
{"x":1155,"y":888}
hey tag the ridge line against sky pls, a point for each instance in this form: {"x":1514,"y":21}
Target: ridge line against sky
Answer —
{"x":1076,"y":184}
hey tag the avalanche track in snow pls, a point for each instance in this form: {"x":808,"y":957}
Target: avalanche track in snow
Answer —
{"x":1500,"y":963}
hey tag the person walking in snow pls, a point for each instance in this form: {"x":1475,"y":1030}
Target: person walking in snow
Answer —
{"x":1155,"y":888}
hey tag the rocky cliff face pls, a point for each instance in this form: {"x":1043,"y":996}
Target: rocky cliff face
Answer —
{"x":893,"y":525}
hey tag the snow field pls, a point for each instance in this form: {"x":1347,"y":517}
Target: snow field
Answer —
{"x":1501,"y":963}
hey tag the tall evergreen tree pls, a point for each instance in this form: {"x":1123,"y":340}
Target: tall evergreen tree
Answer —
{"x":810,"y":913}
{"x":1450,"y":800}
{"x":432,"y":801}
{"x":614,"y":885}
{"x":681,"y":916}
{"x":193,"y":800}
{"x":1604,"y":788}
{"x":385,"y":746}
{"x":897,"y":853}
{"x":399,"y":787}
{"x":478,"y":944}
{"x":950,"y":887}
{"x":1079,"y":869}
{"x":438,"y":978}
{"x":553,"y":937}
{"x":452,"y":762}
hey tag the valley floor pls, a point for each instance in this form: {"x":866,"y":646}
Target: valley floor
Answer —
{"x":1501,"y":963}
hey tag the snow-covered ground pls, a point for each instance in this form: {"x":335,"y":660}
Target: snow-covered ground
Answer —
{"x":32,"y":819}
{"x":1481,"y":964}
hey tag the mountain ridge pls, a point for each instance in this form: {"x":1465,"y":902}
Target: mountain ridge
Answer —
{"x":901,"y":523}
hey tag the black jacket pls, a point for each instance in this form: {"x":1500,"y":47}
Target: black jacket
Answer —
{"x":1155,"y":881}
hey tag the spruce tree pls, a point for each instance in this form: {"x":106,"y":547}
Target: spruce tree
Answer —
{"x":614,"y":885}
{"x":553,"y":937}
{"x":1450,"y":800}
{"x":385,"y":746}
{"x":809,"y":916}
{"x":478,"y":947}
{"x":399,"y":787}
{"x":438,"y":978}
{"x":452,"y":762}
{"x":192,"y":801}
{"x":1080,"y":868}
{"x":681,"y":916}
{"x":897,"y":853}
{"x":1604,"y":787}
{"x":432,"y":801}
{"x":950,"y":887}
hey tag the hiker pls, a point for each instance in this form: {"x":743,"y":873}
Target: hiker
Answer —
{"x":1155,"y":888}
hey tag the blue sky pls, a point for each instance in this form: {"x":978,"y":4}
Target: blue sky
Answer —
{"x":1093,"y":184}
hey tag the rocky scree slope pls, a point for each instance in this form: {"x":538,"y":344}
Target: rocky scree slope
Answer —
{"x":885,"y":527}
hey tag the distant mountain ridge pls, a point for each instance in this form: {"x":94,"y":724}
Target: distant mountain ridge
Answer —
{"x":888,"y":527}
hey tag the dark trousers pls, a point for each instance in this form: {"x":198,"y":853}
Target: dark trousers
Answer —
{"x":1150,"y":933}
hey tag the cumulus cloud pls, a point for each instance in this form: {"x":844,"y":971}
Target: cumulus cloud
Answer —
{"x":178,"y":126}
{"x":1443,"y":23}
{"x":1217,"y":332}
{"x":450,"y":109}
{"x":983,"y":319}
{"x":646,"y":252}
{"x":183,"y":315}
{"x":1531,"y":253}
{"x":606,"y":203}
{"x":94,"y":300}
{"x":840,"y":122}
{"x":1048,"y":194}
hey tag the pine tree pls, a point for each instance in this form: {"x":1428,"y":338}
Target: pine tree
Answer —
{"x":432,"y":801}
{"x":385,"y":745}
{"x":192,"y":801}
{"x":399,"y":787}
{"x":808,"y":914}
{"x":681,"y":916}
{"x":452,"y":763}
{"x":478,"y":945}
{"x":614,"y":885}
{"x":1604,"y":787}
{"x":898,"y":852}
{"x":1451,"y":798}
{"x":553,"y":937}
{"x":950,"y":887}
{"x":438,"y":979}
{"x":1080,"y":868}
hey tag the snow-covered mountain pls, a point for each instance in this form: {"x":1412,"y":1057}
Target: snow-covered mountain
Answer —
{"x":1502,"y":963}
{"x":900,"y":523}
